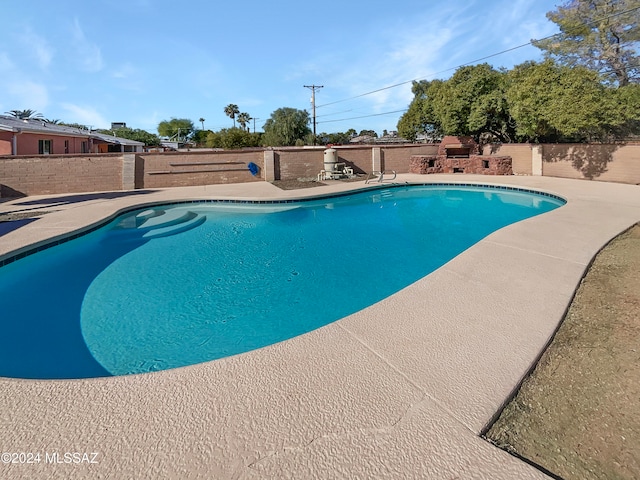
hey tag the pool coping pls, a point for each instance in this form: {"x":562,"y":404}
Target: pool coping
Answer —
{"x":362,"y":397}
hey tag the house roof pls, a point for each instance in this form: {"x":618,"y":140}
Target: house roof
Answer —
{"x":12,"y":124}
{"x":112,"y":139}
{"x":33,"y":125}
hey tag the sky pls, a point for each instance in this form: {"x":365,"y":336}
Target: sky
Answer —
{"x":140,"y":62}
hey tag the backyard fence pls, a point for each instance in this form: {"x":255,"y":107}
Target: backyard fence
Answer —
{"x":56,"y":174}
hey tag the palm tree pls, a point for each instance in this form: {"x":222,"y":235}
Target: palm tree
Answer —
{"x":243,"y":119}
{"x":202,"y":122}
{"x":24,"y":114}
{"x":231,"y":111}
{"x":55,"y":121}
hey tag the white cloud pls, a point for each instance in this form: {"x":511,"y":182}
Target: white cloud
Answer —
{"x":38,"y":47}
{"x":88,"y":54}
{"x":125,"y":71}
{"x":401,"y":55}
{"x":128,"y":77}
{"x":26,"y":94}
{"x":6,"y":64}
{"x":147,"y":122}
{"x":19,"y":92}
{"x":85,"y":115}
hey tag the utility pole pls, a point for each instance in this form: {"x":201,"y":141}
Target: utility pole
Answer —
{"x":254,"y":124}
{"x":313,"y":106}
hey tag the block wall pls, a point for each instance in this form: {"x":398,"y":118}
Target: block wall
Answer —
{"x":397,"y":158}
{"x":54,"y":174}
{"x":604,"y":162}
{"x":181,"y":169}
{"x":520,"y":154}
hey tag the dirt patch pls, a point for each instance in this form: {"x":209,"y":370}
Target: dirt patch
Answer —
{"x":578,"y":413}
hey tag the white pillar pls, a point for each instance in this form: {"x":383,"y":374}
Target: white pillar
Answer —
{"x":536,"y":160}
{"x":376,"y":160}
{"x":128,"y":171}
{"x":269,"y":165}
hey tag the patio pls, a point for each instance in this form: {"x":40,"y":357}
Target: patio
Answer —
{"x":401,"y":389}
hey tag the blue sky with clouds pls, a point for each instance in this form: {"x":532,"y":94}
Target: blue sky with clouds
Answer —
{"x":143,"y":61}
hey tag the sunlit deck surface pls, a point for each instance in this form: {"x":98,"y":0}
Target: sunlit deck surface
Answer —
{"x":401,"y":389}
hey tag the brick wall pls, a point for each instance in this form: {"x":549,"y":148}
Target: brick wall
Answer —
{"x":520,"y":154}
{"x":295,"y":163}
{"x":397,"y":158}
{"x":608,"y":163}
{"x":357,"y":158}
{"x":179,"y":169}
{"x":476,"y":164}
{"x":53,"y":174}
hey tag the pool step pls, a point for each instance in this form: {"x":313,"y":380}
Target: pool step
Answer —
{"x":173,"y":229}
{"x":155,"y":224}
{"x":171,"y":217}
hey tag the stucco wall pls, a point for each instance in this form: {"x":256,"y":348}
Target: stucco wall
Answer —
{"x":53,"y":174}
{"x":28,"y":144}
{"x":5,"y":143}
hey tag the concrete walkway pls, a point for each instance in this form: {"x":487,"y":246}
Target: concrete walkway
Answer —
{"x":400,"y":390}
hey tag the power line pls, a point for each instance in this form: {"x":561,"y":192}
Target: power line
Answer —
{"x":335,"y":113}
{"x":365,"y":116}
{"x":431,"y":75}
{"x":472,"y":61}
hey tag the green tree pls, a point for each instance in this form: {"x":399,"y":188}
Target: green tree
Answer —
{"x":551,"y":102}
{"x":199,"y":137}
{"x":231,"y":111}
{"x":137,"y":134}
{"x":74,"y":125}
{"x":177,"y":128}
{"x":231,"y":138}
{"x":419,"y":118}
{"x":286,"y":126}
{"x":471,"y":103}
{"x":601,"y":35}
{"x":336,"y":138}
{"x":24,"y":114}
{"x":627,"y":100}
{"x":243,"y":119}
{"x":368,"y":133}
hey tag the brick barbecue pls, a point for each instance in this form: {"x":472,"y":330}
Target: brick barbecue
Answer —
{"x":460,"y":155}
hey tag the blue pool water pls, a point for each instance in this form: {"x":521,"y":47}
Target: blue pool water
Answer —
{"x":178,"y":285}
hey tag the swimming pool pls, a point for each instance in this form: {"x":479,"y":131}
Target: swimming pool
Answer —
{"x":176,"y":285}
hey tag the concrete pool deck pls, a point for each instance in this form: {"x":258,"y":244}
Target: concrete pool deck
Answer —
{"x":401,"y":389}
